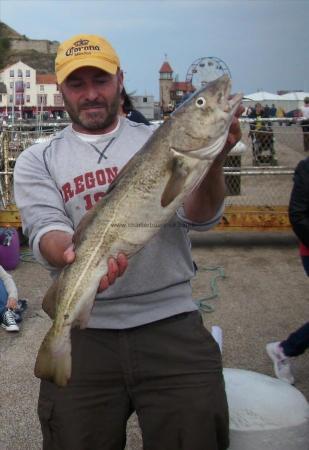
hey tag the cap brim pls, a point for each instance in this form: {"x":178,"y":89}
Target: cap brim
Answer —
{"x":107,"y":66}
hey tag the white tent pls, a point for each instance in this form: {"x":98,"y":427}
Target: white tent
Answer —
{"x":295,"y":96}
{"x":262,"y":96}
{"x":293,"y":100}
{"x":289,"y":102}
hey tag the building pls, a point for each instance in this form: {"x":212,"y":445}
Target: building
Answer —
{"x":3,"y":93}
{"x":172,"y":91}
{"x":24,"y":93}
{"x":145,"y":105}
{"x":28,"y":94}
{"x":165,"y":86}
{"x":49,"y":99}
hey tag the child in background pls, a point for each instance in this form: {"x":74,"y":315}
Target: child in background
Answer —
{"x":8,"y":301}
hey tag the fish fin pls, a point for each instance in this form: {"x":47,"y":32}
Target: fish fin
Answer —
{"x":49,"y":303}
{"x":53,"y":362}
{"x":176,"y":182}
{"x":205,"y":153}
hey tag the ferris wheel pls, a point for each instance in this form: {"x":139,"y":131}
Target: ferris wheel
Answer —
{"x":206,"y":69}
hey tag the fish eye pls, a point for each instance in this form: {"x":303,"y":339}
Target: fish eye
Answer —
{"x":200,"y":102}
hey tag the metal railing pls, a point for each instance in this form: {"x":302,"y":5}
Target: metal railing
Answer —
{"x":259,"y":179}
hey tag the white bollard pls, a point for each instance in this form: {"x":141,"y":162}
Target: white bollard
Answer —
{"x":265,"y":413}
{"x":217,"y":335}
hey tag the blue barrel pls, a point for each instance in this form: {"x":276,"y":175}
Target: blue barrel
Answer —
{"x":9,"y":248}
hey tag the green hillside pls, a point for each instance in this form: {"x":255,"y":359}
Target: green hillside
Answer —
{"x":42,"y":62}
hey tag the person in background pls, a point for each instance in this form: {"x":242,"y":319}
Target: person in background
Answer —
{"x":145,"y":348}
{"x":280,"y":114}
{"x":266,"y":111}
{"x":305,"y":123}
{"x":128,"y":110}
{"x":8,"y":301}
{"x":273,"y":111}
{"x":257,"y":112}
{"x":297,"y":342}
{"x":261,"y":134}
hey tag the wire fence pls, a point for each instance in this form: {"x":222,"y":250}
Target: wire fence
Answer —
{"x":12,"y":144}
{"x":260,"y":176}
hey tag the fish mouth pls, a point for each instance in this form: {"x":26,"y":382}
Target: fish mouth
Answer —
{"x":234,"y":102}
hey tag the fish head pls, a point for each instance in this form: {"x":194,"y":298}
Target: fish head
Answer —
{"x":202,"y":122}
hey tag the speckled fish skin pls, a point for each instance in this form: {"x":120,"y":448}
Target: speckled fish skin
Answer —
{"x":147,"y":191}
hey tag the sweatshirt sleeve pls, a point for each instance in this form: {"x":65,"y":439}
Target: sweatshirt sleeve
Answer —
{"x":197,"y":226}
{"x":9,"y":284}
{"x":38,"y":199}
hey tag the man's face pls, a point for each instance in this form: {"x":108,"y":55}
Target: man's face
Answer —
{"x":92,"y":98}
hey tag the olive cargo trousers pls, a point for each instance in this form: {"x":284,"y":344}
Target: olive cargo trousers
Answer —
{"x":169,"y":372}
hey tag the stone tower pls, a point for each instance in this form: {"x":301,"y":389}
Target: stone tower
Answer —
{"x":165,"y":85}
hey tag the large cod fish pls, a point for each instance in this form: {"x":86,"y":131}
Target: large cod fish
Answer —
{"x":149,"y":190}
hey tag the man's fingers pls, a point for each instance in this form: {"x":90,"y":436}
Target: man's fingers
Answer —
{"x":113,"y":270}
{"x":122,"y":261}
{"x":235,"y":130}
{"x":116,"y":267}
{"x":69,"y":254}
{"x":239,"y":110}
{"x":103,"y":284}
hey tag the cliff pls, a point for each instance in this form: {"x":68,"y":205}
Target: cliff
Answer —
{"x":37,"y":53}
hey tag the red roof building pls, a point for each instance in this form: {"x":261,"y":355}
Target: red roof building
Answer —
{"x":166,"y":68}
{"x":172,"y":92}
{"x":46,"y":78}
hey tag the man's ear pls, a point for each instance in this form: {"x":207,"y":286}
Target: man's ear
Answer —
{"x":120,"y":79}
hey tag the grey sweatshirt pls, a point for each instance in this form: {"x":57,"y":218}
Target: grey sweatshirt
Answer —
{"x":58,"y":181}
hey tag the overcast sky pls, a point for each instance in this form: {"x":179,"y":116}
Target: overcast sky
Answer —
{"x":264,"y":43}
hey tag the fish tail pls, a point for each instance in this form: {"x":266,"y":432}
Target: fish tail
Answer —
{"x":54,"y":362}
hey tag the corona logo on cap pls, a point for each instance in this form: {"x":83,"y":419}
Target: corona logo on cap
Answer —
{"x":85,"y":50}
{"x":82,"y":46}
{"x":81,"y":42}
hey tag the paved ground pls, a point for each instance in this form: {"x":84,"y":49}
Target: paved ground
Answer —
{"x":263,"y":297}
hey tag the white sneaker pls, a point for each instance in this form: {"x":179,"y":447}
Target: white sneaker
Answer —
{"x":8,"y":321}
{"x":281,"y":362}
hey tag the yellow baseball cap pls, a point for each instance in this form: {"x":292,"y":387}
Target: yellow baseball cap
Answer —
{"x":85,"y":50}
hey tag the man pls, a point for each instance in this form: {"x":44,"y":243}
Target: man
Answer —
{"x":261,"y":135}
{"x":145,"y":348}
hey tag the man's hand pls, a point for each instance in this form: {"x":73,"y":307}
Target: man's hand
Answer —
{"x":203,"y":203}
{"x":58,"y":249}
{"x":116,"y":267}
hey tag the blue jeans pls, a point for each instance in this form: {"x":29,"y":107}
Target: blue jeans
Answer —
{"x":305,"y":261}
{"x":3,"y":297}
{"x":297,"y":342}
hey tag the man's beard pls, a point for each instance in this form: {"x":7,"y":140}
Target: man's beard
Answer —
{"x":94,"y":121}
